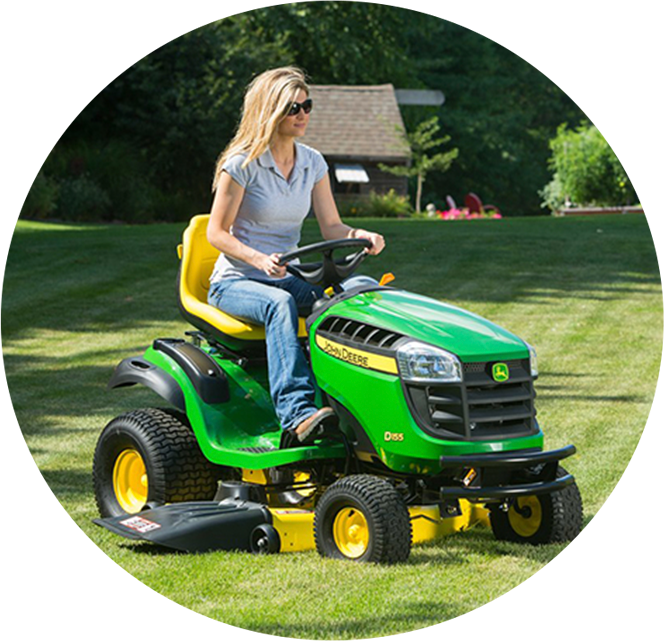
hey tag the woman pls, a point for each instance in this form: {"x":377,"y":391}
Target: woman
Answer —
{"x":265,"y":184}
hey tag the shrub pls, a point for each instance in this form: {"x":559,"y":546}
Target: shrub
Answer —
{"x":29,"y":145}
{"x":351,"y":208}
{"x":114,"y":167}
{"x":389,"y":205}
{"x":175,"y":207}
{"x":585,"y":171}
{"x":553,"y":194}
{"x":82,"y":199}
{"x":42,"y":198}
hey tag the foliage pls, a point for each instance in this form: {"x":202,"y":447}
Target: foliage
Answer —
{"x":499,"y":111}
{"x":178,"y":107}
{"x":389,"y":205}
{"x":512,"y":72}
{"x":346,"y":43}
{"x":42,"y":198}
{"x":585,"y":171}
{"x":115,"y":166}
{"x":421,"y":141}
{"x":609,"y":45}
{"x":29,"y":145}
{"x":553,"y":194}
{"x":83,"y":199}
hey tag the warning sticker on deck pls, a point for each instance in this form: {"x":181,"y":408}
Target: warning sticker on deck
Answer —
{"x":140,"y":524}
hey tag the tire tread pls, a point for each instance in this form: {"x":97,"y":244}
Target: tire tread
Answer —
{"x":393,"y":533}
{"x":180,"y":472}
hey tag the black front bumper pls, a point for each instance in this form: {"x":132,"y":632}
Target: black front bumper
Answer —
{"x":505,"y":475}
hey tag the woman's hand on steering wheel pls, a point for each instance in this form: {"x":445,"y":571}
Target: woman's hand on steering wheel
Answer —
{"x":270,"y":265}
{"x":376,"y":240}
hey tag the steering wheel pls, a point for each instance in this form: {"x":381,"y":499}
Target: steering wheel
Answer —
{"x":330,"y":271}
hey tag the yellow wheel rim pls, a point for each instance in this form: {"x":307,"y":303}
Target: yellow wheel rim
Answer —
{"x":130,"y":481}
{"x":529,"y":523}
{"x":351,"y":532}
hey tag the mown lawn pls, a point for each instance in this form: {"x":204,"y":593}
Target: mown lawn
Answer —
{"x":585,"y":291}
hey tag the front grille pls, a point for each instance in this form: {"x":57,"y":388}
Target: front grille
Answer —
{"x":479,"y":408}
{"x":357,"y":334}
{"x":485,"y":368}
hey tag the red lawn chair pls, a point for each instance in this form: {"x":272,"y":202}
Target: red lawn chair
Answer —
{"x":475,"y":206}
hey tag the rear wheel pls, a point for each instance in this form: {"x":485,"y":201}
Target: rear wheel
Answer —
{"x":545,"y":518}
{"x":363,"y":518}
{"x":147,"y":457}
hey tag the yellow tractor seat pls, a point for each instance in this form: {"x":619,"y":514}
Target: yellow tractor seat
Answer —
{"x":197,"y":259}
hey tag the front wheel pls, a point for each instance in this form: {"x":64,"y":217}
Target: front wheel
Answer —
{"x":546,"y":518}
{"x":363,"y":518}
{"x":146,"y":457}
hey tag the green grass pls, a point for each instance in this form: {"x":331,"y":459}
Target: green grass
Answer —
{"x":585,"y":291}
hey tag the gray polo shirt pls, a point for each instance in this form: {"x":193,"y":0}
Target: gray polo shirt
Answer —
{"x":273,"y":209}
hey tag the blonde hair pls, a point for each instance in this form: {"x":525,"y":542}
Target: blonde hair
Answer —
{"x":267,"y":100}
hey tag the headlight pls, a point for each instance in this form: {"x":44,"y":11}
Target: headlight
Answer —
{"x":424,"y":363}
{"x":533,"y":361}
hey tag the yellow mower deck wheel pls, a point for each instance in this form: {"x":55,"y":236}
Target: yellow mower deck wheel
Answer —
{"x":130,"y":481}
{"x":527,"y":524}
{"x":351,"y":532}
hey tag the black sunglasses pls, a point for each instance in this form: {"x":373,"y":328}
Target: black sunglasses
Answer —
{"x":306,"y":106}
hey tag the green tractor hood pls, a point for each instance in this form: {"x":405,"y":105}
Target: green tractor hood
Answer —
{"x":469,"y":336}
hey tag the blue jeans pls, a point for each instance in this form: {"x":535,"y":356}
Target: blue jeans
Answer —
{"x":274,"y":303}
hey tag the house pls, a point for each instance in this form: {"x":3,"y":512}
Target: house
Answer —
{"x":356,"y":128}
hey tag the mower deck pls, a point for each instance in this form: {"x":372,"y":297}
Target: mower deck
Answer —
{"x":206,"y":526}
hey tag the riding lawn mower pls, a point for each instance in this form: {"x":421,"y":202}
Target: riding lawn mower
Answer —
{"x":436,"y":432}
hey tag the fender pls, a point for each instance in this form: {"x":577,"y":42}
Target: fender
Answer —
{"x":207,"y":378}
{"x":136,"y":370}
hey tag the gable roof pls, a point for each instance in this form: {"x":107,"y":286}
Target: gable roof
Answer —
{"x":357,"y":122}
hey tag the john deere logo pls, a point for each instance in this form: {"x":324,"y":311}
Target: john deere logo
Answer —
{"x":500,"y":372}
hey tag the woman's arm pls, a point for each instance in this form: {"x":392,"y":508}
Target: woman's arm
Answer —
{"x":331,"y":226}
{"x":225,"y":206}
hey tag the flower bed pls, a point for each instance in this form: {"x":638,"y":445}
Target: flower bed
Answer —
{"x":465,"y":214}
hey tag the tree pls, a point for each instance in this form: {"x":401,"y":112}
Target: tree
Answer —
{"x":585,"y":171}
{"x":499,"y":110}
{"x":169,"y":115}
{"x":610,"y":44}
{"x":421,"y":141}
{"x":346,"y":43}
{"x":181,"y":104}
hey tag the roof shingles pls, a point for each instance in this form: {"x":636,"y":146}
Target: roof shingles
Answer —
{"x":356,"y":121}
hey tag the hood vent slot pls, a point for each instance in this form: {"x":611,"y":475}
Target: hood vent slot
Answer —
{"x":357,"y":334}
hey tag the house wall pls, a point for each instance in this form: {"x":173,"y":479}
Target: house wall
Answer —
{"x":380,"y":182}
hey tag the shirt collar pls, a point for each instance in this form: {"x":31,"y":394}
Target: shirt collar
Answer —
{"x":266,"y":159}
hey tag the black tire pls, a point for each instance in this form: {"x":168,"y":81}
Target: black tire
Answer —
{"x":547,"y":518}
{"x":264,"y":539}
{"x":163,"y":442}
{"x":380,"y":514}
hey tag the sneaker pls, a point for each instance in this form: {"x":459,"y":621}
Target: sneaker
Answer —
{"x":314,"y":426}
